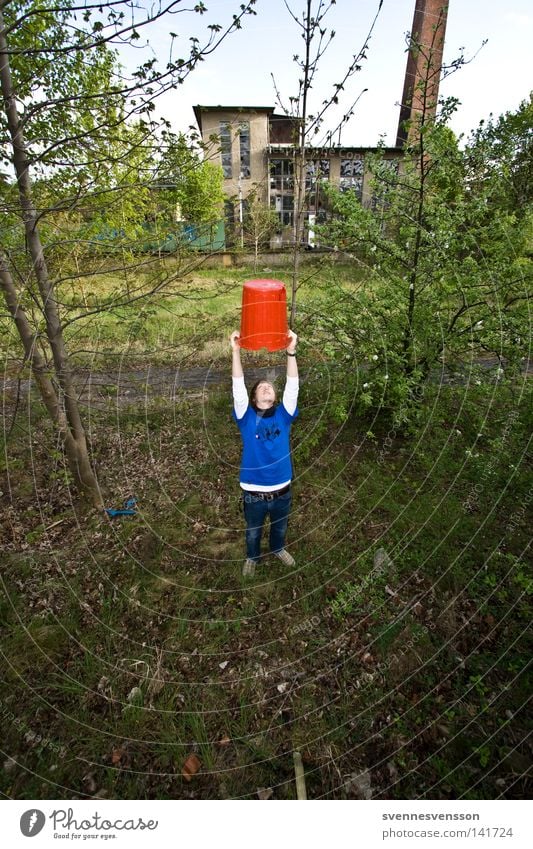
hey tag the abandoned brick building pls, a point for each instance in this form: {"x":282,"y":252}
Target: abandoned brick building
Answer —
{"x":255,"y":146}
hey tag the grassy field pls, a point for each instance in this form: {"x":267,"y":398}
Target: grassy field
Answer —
{"x":394,"y":656}
{"x":187,"y":321}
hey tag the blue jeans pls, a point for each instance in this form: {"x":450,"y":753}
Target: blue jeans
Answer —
{"x":255,"y":511}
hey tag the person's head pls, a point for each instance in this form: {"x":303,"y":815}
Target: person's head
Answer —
{"x":262,"y":395}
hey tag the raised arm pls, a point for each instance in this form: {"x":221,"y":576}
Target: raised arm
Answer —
{"x":292,"y":368}
{"x":290,"y":395}
{"x":236,"y":368}
{"x":240,"y":395}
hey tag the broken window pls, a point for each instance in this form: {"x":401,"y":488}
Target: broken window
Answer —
{"x":282,"y":189}
{"x":352,"y":171}
{"x":284,"y":206}
{"x":244,"y":140}
{"x":225,"y":149}
{"x":316,"y":170}
{"x":281,"y":174}
{"x":385,"y":181}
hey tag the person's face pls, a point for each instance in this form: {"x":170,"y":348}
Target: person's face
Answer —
{"x":265,"y":396}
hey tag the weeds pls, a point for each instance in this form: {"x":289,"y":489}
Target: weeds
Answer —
{"x":113,"y":632}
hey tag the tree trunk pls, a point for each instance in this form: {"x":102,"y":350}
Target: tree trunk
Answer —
{"x":299,"y":176}
{"x":67,"y":420}
{"x":299,"y":170}
{"x":417,"y":136}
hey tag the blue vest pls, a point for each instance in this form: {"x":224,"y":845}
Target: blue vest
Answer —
{"x":266,"y":454}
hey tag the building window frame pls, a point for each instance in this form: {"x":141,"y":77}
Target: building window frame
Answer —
{"x":226,"y":149}
{"x":352,"y":171}
{"x":316,"y":171}
{"x":281,"y":183}
{"x":244,"y":150}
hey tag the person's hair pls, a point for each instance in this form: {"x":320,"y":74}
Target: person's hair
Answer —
{"x":254,"y":387}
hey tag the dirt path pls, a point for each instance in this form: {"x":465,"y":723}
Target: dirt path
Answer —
{"x":127,"y":386}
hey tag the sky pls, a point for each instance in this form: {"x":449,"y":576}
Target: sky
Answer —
{"x":240,"y":71}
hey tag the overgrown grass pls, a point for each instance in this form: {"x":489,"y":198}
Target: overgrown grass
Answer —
{"x":415,"y":671}
{"x":186,"y":322}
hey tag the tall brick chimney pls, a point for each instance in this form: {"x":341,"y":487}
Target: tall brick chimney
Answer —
{"x":424,"y":62}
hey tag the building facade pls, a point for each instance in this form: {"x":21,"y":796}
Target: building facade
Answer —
{"x":256,"y":146}
{"x":256,"y":150}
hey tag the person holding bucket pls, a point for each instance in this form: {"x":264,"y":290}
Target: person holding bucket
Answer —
{"x":266,"y":467}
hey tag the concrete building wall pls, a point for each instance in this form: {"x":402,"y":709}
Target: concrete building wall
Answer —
{"x":272,"y":171}
{"x":259,"y":148}
{"x":258,"y":123}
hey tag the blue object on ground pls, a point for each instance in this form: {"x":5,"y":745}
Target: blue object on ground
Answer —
{"x":127,"y":510}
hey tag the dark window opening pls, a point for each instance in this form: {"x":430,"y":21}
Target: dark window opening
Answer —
{"x":352,"y":171}
{"x":387,"y":178}
{"x":282,"y":190}
{"x":282,"y":174}
{"x":284,"y":206}
{"x":229,"y":218}
{"x":225,"y":149}
{"x":244,"y":139}
{"x":316,"y":170}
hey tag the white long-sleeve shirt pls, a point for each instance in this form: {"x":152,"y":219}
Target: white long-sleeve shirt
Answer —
{"x":240,"y":404}
{"x":240,"y":395}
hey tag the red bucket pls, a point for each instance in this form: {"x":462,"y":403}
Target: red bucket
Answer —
{"x":264,"y":316}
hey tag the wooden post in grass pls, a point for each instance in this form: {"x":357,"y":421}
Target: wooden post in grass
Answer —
{"x":300,"y":776}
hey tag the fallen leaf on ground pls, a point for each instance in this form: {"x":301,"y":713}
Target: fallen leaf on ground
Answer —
{"x":117,"y":755}
{"x":191,"y":767}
